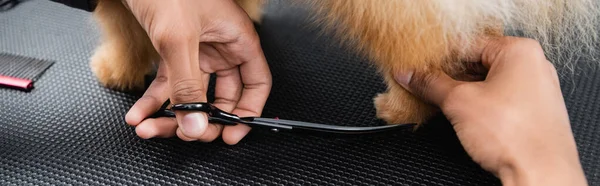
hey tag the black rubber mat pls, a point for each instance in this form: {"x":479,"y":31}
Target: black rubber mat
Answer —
{"x":70,"y":130}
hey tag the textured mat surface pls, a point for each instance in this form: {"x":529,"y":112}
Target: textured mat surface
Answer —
{"x":70,"y":130}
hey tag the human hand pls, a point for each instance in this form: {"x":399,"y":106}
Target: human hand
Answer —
{"x":195,"y":39}
{"x":514,"y":123}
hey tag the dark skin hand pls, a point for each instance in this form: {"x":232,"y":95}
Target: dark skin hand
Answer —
{"x":515,"y":122}
{"x":194,"y":41}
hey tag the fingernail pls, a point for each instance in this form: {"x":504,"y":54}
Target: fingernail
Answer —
{"x":404,"y":78}
{"x":193,"y":124}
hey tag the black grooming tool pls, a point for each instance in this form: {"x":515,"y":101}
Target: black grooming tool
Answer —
{"x":20,"y":72}
{"x":216,"y":115}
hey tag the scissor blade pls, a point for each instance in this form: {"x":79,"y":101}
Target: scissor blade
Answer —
{"x":323,"y":127}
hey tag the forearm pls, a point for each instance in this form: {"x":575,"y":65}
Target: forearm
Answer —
{"x":87,"y":5}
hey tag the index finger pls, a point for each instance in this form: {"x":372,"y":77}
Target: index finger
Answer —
{"x":521,"y":55}
{"x":256,"y":78}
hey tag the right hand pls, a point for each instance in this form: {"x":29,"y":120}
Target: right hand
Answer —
{"x":194,"y":39}
{"x":514,"y":123}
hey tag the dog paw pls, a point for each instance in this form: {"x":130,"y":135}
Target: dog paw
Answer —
{"x":402,"y":108}
{"x":254,"y":9}
{"x":116,"y":71}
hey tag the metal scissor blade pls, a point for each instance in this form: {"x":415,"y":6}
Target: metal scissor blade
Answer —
{"x":299,"y":125}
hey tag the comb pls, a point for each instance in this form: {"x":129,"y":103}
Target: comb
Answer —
{"x":21,"y":72}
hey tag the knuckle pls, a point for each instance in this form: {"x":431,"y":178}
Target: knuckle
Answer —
{"x":530,"y":43}
{"x":161,"y":79}
{"x":225,"y":100}
{"x":514,"y":46}
{"x":534,"y":46}
{"x":149,"y":98}
{"x":421,"y":82}
{"x":187,"y":91}
{"x":525,"y":45}
{"x":153,"y":100}
{"x":267,"y":82}
{"x":423,"y":79}
{"x":269,"y":79}
{"x":167,"y":39}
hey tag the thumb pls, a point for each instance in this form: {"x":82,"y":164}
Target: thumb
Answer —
{"x":192,"y":125}
{"x":432,"y":86}
{"x":188,"y":84}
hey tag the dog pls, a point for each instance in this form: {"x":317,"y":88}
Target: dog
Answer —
{"x":423,"y":35}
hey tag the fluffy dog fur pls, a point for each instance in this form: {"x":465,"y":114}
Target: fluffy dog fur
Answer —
{"x":396,"y":34}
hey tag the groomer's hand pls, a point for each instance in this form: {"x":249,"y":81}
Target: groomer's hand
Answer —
{"x":194,"y":39}
{"x":515,"y":123}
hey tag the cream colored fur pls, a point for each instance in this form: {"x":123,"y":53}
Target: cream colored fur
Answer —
{"x":397,"y":35}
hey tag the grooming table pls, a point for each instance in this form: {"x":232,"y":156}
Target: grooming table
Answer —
{"x":71,"y":130}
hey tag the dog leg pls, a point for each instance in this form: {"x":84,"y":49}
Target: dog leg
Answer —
{"x":399,"y":36}
{"x":126,"y":53}
{"x":397,"y":106}
{"x":254,"y":9}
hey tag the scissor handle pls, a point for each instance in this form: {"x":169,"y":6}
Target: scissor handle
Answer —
{"x":197,"y":106}
{"x":215,"y":115}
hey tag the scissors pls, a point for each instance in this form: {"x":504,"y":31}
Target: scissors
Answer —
{"x":216,"y":115}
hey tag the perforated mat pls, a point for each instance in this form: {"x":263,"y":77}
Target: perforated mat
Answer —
{"x":70,"y":130}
